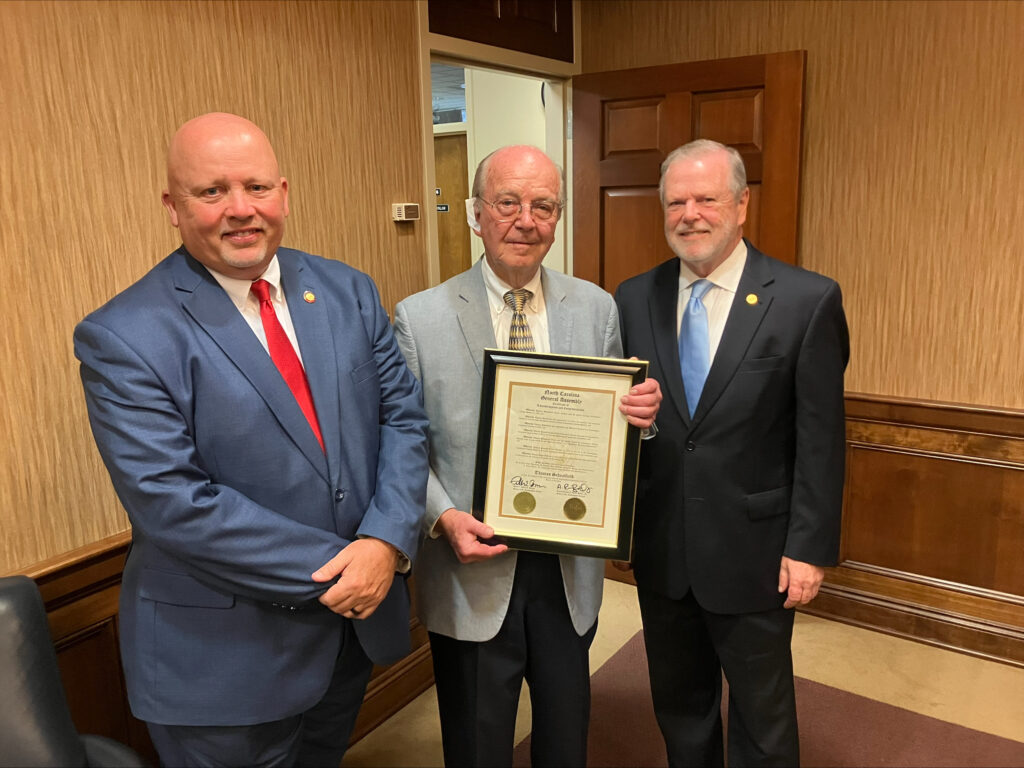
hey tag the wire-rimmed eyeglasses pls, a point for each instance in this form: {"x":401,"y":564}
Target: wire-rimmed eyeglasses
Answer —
{"x":509,"y":208}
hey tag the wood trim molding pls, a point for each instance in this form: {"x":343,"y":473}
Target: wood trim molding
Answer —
{"x":974,"y":419}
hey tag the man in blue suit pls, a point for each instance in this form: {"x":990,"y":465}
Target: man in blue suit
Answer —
{"x":268,"y":443}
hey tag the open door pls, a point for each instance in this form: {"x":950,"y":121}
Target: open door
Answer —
{"x":626,"y":121}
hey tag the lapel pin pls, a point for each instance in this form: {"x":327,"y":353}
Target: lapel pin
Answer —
{"x":309,"y":297}
{"x":751,"y":299}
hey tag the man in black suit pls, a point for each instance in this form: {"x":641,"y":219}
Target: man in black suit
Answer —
{"x":740,"y":492}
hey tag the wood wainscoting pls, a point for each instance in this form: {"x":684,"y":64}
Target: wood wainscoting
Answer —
{"x":80,"y":590}
{"x":933,"y":526}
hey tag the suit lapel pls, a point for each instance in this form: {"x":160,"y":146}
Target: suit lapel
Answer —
{"x":205,"y":301}
{"x":745,"y":317}
{"x":662,"y":308}
{"x":474,"y":315}
{"x":560,"y":319}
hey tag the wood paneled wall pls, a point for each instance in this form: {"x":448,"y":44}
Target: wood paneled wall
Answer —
{"x":933,"y":526}
{"x":913,"y":151}
{"x":92,"y":91}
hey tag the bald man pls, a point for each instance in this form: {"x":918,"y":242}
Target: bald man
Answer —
{"x":497,"y":616}
{"x":269,"y":536}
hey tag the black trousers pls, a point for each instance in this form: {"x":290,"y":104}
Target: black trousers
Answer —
{"x":317,"y":738}
{"x":688,"y":649}
{"x":478,"y":684}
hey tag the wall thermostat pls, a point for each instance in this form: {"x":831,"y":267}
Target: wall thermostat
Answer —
{"x":405,"y":211}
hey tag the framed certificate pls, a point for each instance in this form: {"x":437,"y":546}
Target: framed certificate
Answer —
{"x":556,"y":464}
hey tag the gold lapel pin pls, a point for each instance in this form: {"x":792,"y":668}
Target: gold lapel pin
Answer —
{"x":310,"y":297}
{"x":751,"y":299}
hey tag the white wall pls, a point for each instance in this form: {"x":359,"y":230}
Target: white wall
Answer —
{"x":504,"y":108}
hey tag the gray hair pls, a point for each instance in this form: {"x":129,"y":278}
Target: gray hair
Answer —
{"x":480,"y":177}
{"x":699,"y":148}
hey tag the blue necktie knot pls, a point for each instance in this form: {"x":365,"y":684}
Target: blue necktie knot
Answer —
{"x":694,"y":346}
{"x":699,"y":289}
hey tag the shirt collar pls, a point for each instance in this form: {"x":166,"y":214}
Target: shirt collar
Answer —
{"x":238,"y":288}
{"x":497,"y":288}
{"x":726,"y":275}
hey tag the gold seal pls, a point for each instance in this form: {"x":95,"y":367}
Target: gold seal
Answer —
{"x":751,"y":298}
{"x":574,"y":508}
{"x":524,"y":503}
{"x":309,"y":297}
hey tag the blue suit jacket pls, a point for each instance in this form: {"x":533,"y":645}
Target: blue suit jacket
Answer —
{"x":232,"y":502}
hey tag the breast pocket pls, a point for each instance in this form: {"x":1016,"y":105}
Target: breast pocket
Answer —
{"x":762,"y":364}
{"x":364,"y":373}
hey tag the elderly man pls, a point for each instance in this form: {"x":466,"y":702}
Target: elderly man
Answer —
{"x":741,"y":489}
{"x":496,"y":616}
{"x":268,"y":442}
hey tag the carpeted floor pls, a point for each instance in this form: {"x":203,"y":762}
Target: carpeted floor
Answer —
{"x":837,"y":728}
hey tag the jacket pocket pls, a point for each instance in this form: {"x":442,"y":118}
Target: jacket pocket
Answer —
{"x":367,"y":370}
{"x":758,"y":364}
{"x":180,"y":589}
{"x":768,"y":503}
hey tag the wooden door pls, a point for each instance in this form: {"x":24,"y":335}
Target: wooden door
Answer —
{"x":452,"y":178}
{"x":624,"y":124}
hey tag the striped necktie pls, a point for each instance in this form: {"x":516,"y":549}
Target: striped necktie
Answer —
{"x":519,"y":338}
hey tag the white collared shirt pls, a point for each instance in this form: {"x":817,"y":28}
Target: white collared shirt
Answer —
{"x":240,"y":292}
{"x":725,"y":279}
{"x":501,"y":314}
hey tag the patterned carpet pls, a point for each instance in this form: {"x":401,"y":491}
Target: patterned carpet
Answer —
{"x":837,"y":728}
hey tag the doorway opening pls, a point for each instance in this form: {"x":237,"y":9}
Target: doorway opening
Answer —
{"x":475,"y":111}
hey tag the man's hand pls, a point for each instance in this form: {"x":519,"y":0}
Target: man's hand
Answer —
{"x":465,"y":534}
{"x":641,"y":405}
{"x":366,"y":568}
{"x":622,"y":565}
{"x":801,"y":580}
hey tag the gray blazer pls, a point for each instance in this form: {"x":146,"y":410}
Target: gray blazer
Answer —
{"x":442,"y":332}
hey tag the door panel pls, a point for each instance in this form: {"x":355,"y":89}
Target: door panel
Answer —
{"x":625,"y":122}
{"x":452,"y":178}
{"x":633,"y":230}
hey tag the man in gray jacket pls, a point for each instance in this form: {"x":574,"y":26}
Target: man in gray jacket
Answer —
{"x":496,"y":616}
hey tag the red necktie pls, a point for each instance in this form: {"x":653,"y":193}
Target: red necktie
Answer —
{"x":283,"y":354}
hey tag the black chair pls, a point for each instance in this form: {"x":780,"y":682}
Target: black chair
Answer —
{"x":35,"y":723}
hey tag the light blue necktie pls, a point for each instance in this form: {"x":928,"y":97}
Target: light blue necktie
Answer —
{"x":694,"y":347}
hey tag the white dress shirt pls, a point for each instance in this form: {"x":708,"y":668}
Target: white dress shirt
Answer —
{"x":725,"y":279}
{"x":240,"y":292}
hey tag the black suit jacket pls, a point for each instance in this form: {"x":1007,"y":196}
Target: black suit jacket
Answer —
{"x":758,"y":472}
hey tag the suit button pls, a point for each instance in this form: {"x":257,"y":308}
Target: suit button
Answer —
{"x":339,"y":494}
{"x":690,"y":445}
